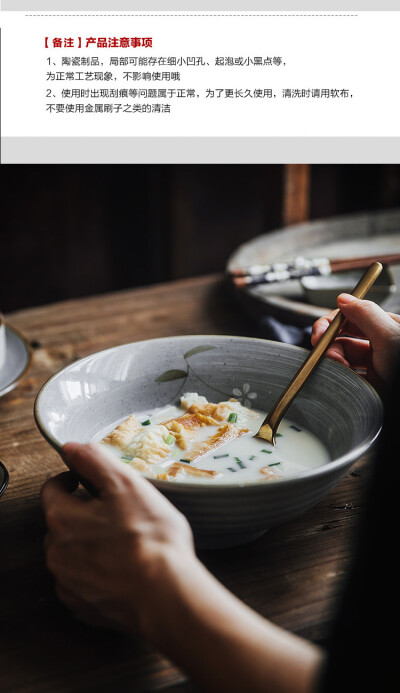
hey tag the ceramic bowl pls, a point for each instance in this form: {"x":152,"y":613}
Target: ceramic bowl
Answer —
{"x":85,"y":400}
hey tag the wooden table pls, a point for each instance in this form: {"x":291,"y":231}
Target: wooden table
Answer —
{"x":291,"y":575}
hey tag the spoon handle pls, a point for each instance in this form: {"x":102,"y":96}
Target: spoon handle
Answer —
{"x":277,"y":412}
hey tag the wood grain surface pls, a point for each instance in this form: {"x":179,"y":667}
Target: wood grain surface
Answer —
{"x":292,"y":575}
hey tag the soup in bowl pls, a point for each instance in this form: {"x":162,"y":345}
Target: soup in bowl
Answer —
{"x":184,"y":410}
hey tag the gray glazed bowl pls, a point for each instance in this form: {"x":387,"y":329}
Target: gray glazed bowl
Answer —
{"x":85,"y":399}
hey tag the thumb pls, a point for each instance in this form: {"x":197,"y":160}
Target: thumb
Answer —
{"x":95,"y":467}
{"x":372,"y":320}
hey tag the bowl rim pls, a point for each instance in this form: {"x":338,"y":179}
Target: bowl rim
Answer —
{"x":341,"y":462}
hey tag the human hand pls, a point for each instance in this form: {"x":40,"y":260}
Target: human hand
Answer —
{"x":125,"y":559}
{"x":373,"y":342}
{"x":108,"y":553}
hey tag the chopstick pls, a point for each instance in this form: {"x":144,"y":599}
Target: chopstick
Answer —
{"x":303,"y":267}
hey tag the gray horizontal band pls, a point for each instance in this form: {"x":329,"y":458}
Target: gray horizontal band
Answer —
{"x":200,"y":6}
{"x":192,"y":150}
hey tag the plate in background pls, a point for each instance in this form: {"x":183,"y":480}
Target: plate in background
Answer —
{"x":340,"y":236}
{"x":323,"y":291}
{"x":17,"y":360}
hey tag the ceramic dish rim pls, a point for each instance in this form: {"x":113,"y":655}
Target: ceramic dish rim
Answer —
{"x":27,"y":365}
{"x":332,"y":465}
{"x":6,"y":479}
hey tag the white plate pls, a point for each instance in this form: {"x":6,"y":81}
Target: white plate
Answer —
{"x":17,"y":361}
{"x":375,"y":233}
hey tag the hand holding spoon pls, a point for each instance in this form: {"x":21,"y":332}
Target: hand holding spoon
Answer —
{"x":270,"y":424}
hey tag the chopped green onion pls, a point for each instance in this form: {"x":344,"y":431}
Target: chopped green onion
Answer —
{"x":129,"y":459}
{"x":169,"y":440}
{"x":278,"y":435}
{"x":146,"y":423}
{"x":232,"y":418}
{"x":253,"y":457}
{"x":240,"y":463}
{"x":188,"y":461}
{"x":217,"y":457}
{"x":269,"y":452}
{"x":295,"y":428}
{"x":232,"y":469}
{"x":274,"y":464}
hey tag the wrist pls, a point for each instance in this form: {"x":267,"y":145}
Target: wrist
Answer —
{"x":166,"y":570}
{"x":218,"y":640}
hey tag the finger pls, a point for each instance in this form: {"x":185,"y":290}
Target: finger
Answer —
{"x":356,"y":352}
{"x":351,"y":330}
{"x":89,"y":613}
{"x":93,"y":463}
{"x":372,"y":320}
{"x":336,"y":353}
{"x":80,"y":609}
{"x":107,"y":474}
{"x":321,"y":325}
{"x":58,"y":489}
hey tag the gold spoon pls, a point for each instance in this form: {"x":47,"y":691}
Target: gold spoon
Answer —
{"x":270,"y":424}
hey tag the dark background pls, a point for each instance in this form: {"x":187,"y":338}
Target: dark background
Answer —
{"x":73,"y":231}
